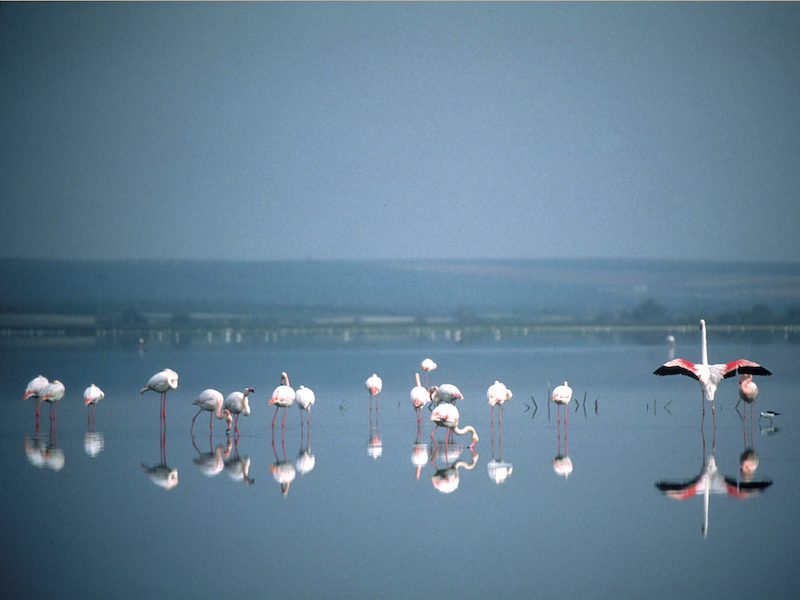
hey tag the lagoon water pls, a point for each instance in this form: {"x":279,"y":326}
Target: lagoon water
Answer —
{"x":87,"y":511}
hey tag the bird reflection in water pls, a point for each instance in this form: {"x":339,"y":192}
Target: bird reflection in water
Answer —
{"x":562,"y":464}
{"x":283,"y":470}
{"x":212,"y":463}
{"x":374,"y":444}
{"x":93,"y":442}
{"x":419,"y":452}
{"x":305,"y":461}
{"x":161,"y":474}
{"x":446,"y":479}
{"x":44,"y":452}
{"x":711,"y":481}
{"x":238,"y":467}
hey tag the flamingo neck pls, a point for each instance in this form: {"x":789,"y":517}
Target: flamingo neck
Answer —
{"x":416,"y":377}
{"x":704,"y":346}
{"x":469,"y":428}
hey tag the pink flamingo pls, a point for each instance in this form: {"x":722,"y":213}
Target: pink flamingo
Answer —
{"x":707,"y":375}
{"x":498,"y":393}
{"x":419,"y":398}
{"x":211,"y":400}
{"x":446,"y":415}
{"x":35,"y":389}
{"x":446,"y":392}
{"x":162,"y":382}
{"x":238,"y":404}
{"x":748,"y":391}
{"x":374,"y":384}
{"x":284,"y":396}
{"x":91,"y":396}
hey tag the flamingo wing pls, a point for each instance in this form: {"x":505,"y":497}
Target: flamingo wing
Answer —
{"x":744,"y":367}
{"x":679,"y":366}
{"x":680,"y":491}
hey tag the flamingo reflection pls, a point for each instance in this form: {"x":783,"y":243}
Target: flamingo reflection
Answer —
{"x":212,"y":463}
{"x":498,"y":469}
{"x":283,"y":470}
{"x":304,"y":462}
{"x":374,"y":444}
{"x":44,"y":452}
{"x":238,"y":467}
{"x":711,"y":481}
{"x":562,"y":463}
{"x":93,"y":441}
{"x":446,"y":479}
{"x":419,"y":452}
{"x":162,"y":474}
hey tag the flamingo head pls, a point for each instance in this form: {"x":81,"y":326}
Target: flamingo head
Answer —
{"x":228,"y":420}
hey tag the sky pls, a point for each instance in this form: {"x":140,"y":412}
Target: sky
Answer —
{"x":273,"y":131}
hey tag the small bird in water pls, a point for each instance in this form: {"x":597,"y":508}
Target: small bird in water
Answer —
{"x":768,"y":414}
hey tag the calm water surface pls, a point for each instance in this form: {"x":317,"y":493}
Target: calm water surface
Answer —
{"x":369,"y":509}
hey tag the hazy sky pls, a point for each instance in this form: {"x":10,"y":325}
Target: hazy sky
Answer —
{"x":433,"y":130}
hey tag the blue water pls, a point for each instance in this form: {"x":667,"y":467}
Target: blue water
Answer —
{"x":359,"y":520}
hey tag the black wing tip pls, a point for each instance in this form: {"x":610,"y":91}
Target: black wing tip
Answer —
{"x":757,"y":370}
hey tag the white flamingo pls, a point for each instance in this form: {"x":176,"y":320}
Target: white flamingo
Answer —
{"x":498,"y":393}
{"x":562,"y":396}
{"x":305,"y":400}
{"x":91,"y":396}
{"x":707,"y":375}
{"x":427,"y":366}
{"x":419,"y":397}
{"x":446,"y":415}
{"x":283,"y":396}
{"x":211,"y":401}
{"x":238,"y":404}
{"x":35,"y":389}
{"x":446,"y":392}
{"x":374,"y":385}
{"x":162,"y":382}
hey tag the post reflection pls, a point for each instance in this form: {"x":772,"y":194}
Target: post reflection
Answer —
{"x":212,"y":463}
{"x":162,"y":474}
{"x":711,"y":481}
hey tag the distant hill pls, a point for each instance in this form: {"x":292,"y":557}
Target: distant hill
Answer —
{"x":584,"y":290}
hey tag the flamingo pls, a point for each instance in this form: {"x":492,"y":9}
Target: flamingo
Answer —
{"x":446,"y":415}
{"x":748,"y":391}
{"x":52,"y":394}
{"x":238,"y":404}
{"x":419,"y":397}
{"x":374,"y":384}
{"x":498,"y":393}
{"x":427,"y":365}
{"x":561,"y":396}
{"x":35,"y":389}
{"x":162,"y":382}
{"x":446,"y":392}
{"x":305,"y":400}
{"x":284,"y":396}
{"x":91,"y":396}
{"x":211,"y":400}
{"x":709,"y":376}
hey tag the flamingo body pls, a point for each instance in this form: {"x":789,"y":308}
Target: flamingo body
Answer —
{"x":446,"y":415}
{"x":211,"y":401}
{"x":92,"y":395}
{"x":748,"y":390}
{"x":562,"y":394}
{"x":498,"y":393}
{"x":35,"y":389}
{"x":53,"y":393}
{"x":374,"y":384}
{"x":446,"y":392}
{"x":238,"y":404}
{"x":305,"y":400}
{"x":162,"y":382}
{"x":283,"y":396}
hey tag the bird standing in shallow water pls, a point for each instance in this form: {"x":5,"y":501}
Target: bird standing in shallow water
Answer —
{"x":562,"y":396}
{"x":768,"y":414}
{"x":162,"y":382}
{"x":498,"y":393}
{"x":283,"y":396}
{"x":419,"y":398}
{"x":238,"y":404}
{"x":305,"y":400}
{"x":52,"y":394}
{"x":748,"y":391}
{"x":446,"y":415}
{"x":91,"y":396}
{"x":34,"y":390}
{"x":374,"y":385}
{"x":427,"y":366}
{"x":211,"y":400}
{"x":709,"y":376}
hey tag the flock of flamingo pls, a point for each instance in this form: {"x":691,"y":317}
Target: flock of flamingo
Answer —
{"x":442,"y":398}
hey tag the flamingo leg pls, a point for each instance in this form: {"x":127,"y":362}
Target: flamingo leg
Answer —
{"x":191,"y":429}
{"x":275,"y":415}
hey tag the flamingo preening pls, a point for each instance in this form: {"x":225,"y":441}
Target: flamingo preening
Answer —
{"x":446,"y":415}
{"x":91,"y":396}
{"x":211,"y":401}
{"x":283,"y":396}
{"x":709,"y":376}
{"x":419,"y":397}
{"x":162,"y":382}
{"x":52,"y":394}
{"x":238,"y":404}
{"x":446,"y":392}
{"x":35,"y":389}
{"x":374,"y":385}
{"x":562,"y":396}
{"x":498,"y":393}
{"x":305,"y":400}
